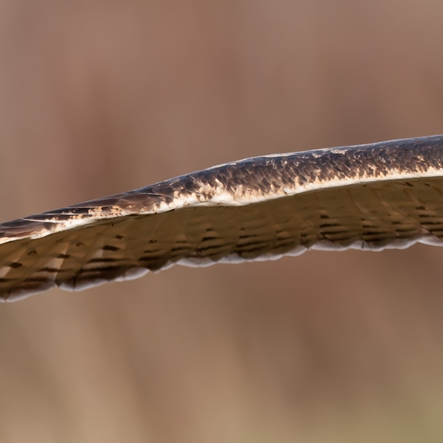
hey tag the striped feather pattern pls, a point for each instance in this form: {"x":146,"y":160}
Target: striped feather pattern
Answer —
{"x":384,"y":195}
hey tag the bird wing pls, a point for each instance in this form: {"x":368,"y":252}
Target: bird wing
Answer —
{"x":376,"y":196}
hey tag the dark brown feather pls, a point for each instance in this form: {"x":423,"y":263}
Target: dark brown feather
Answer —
{"x":375,"y":196}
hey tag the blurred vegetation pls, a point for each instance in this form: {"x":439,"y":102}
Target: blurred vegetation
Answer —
{"x":99,"y":97}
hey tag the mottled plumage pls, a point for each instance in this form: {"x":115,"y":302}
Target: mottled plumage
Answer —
{"x":382,"y":195}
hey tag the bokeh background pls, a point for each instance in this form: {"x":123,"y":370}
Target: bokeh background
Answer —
{"x":99,"y":97}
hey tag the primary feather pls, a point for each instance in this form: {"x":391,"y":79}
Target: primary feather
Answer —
{"x":375,"y":196}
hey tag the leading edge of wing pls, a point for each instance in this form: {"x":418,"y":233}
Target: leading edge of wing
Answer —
{"x":248,"y":181}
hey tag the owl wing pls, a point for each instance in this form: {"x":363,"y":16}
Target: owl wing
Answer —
{"x":370,"y":197}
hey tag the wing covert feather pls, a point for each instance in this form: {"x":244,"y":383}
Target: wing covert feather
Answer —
{"x":367,"y":197}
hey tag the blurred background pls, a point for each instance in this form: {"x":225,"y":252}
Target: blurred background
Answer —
{"x":99,"y":97}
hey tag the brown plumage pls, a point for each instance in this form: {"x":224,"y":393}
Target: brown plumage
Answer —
{"x":376,"y":196}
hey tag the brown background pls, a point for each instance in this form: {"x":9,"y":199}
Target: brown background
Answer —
{"x":98,"y":97}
